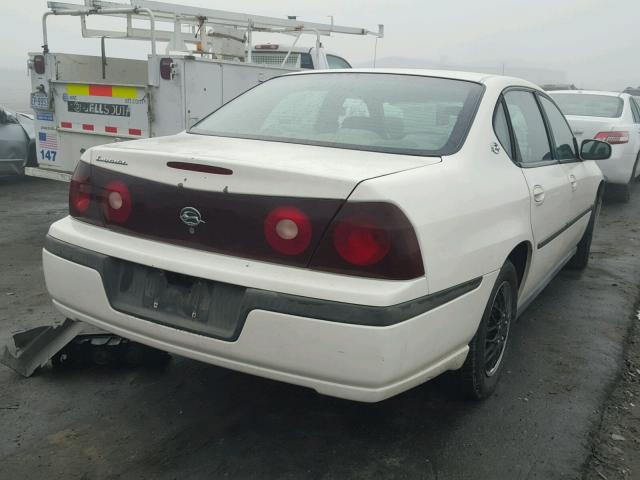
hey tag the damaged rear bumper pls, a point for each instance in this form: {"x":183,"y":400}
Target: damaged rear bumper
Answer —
{"x":358,"y":352}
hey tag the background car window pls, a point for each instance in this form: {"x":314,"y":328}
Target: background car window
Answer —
{"x":306,"y":62}
{"x":562,"y":134}
{"x":528,"y":127}
{"x":589,"y":105}
{"x":337,"y":62}
{"x":501,"y":127}
{"x":635,"y":110}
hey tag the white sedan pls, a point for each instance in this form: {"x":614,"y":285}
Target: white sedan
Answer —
{"x":614,"y":118}
{"x":356,"y":232}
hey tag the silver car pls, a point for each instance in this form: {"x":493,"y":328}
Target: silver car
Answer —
{"x":17,"y":142}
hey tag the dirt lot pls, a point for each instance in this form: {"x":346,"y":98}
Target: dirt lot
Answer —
{"x":191,"y":420}
{"x":616,"y":445}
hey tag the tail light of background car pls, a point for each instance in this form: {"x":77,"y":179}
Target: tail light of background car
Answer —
{"x":38,"y":64}
{"x":166,"y":68}
{"x":613,"y":138}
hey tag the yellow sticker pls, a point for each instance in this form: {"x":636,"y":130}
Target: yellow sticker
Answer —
{"x":77,"y":89}
{"x":124,"y":92}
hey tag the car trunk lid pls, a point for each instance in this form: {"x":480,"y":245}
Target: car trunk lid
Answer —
{"x":257,"y":167}
{"x":588,"y":127}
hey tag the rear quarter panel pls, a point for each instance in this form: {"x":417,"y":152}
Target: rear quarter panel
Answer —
{"x":469,"y":211}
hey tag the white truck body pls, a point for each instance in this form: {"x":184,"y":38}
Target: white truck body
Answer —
{"x":82,"y":101}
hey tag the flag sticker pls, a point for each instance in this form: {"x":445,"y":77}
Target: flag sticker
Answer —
{"x":48,"y":140}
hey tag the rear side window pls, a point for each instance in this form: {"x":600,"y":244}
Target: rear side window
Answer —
{"x":337,"y":62}
{"x":562,"y":135}
{"x":589,"y":105}
{"x":306,"y":61}
{"x":501,"y":127}
{"x":528,"y":127}
{"x":635,"y":110}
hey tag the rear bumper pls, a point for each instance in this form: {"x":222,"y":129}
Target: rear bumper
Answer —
{"x":314,"y":346}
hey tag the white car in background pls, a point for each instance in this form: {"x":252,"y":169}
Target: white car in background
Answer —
{"x":357,"y":232}
{"x":613,"y":118}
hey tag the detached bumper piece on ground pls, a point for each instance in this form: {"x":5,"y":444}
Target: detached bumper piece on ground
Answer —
{"x":65,"y":346}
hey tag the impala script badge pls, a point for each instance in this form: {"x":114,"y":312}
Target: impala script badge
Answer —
{"x":191,"y":218}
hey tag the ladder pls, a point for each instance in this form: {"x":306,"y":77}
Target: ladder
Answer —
{"x":204,"y":27}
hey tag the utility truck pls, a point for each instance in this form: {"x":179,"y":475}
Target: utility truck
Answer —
{"x":81,"y":101}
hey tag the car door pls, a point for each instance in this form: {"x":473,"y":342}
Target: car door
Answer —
{"x":583,"y":177}
{"x":549,"y":187}
{"x":14,"y":142}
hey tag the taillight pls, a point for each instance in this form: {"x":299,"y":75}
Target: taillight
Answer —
{"x":370,"y":239}
{"x":613,"y":138}
{"x":288,"y":230}
{"x":166,"y":68}
{"x":38,"y":64}
{"x":361,"y":241}
{"x":80,"y":190}
{"x":116,"y":202}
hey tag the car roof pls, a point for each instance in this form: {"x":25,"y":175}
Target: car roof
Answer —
{"x":449,"y":74}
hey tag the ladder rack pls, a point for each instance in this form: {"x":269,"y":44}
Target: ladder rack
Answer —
{"x":203,"y":24}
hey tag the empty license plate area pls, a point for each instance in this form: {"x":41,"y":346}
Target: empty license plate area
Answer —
{"x":188,"y":303}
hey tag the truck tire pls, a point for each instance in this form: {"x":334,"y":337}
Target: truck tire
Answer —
{"x":581,"y":258}
{"x":478,"y":377}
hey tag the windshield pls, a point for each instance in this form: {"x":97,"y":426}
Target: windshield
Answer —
{"x":588,"y":105}
{"x":363,"y":111}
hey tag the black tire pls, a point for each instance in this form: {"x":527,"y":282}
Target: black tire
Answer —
{"x":481,"y":371}
{"x":618,"y":192}
{"x":32,"y":160}
{"x":581,"y":258}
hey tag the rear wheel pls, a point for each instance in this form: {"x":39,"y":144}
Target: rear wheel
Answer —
{"x":618,"y":193}
{"x":479,"y":375}
{"x":581,"y":258}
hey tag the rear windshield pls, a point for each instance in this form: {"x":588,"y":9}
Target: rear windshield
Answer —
{"x":389,"y":113}
{"x":588,"y":105}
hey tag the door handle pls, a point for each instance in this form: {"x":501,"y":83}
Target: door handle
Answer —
{"x":538,"y":194}
{"x":574,"y":182}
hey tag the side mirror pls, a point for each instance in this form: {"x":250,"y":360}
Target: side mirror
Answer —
{"x":595,"y":150}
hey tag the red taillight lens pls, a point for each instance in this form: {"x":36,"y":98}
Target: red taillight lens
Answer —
{"x":370,"y":239}
{"x":80,"y":190}
{"x":166,"y":67}
{"x":38,"y":64}
{"x":288,"y":230}
{"x":613,"y":138}
{"x":361,"y":241}
{"x":116,"y":202}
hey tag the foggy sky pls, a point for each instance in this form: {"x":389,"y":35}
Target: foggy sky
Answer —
{"x":592,"y":43}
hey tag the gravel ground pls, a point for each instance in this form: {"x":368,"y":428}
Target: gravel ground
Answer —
{"x":192,"y":420}
{"x":616,"y":444}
